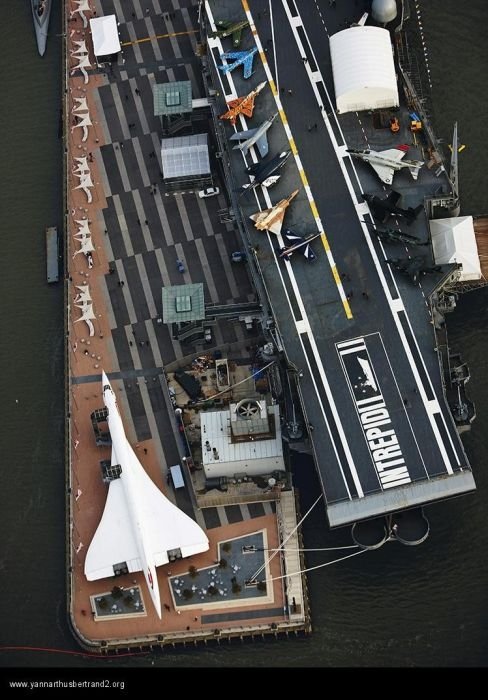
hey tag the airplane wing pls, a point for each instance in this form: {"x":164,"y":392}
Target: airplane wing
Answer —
{"x":394,"y":153}
{"x":308,"y":252}
{"x":255,"y":168}
{"x":242,"y":135}
{"x":384,"y":172}
{"x":114,"y":541}
{"x":294,"y":242}
{"x":262,"y":145}
{"x":167,"y":527}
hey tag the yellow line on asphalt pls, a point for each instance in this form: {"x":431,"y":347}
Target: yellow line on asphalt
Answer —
{"x":301,"y":172}
{"x":158,"y":36}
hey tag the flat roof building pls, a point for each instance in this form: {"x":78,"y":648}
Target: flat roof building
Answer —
{"x":243,"y":440}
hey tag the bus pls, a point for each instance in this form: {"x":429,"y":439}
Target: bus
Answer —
{"x":177,"y":476}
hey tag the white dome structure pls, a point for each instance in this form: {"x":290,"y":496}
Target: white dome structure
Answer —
{"x":384,"y":11}
{"x":363,"y":69}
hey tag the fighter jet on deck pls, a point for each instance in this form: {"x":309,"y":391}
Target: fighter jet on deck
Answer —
{"x":242,"y":58}
{"x":394,"y":235}
{"x":413,"y":267}
{"x":272,"y":219}
{"x":242,"y":105}
{"x":255,"y":137}
{"x":300,"y":243}
{"x":140,"y":528}
{"x":382,"y":209}
{"x":385,"y":163}
{"x":225,"y":29}
{"x":263,"y":173}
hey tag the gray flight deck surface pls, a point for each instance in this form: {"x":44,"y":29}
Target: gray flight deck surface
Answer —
{"x":332,"y":350}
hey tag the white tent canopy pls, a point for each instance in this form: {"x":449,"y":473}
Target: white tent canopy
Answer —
{"x":363,"y":69}
{"x":105,"y":35}
{"x":454,"y":241}
{"x":82,"y":105}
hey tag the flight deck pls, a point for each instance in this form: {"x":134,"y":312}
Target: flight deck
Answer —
{"x":359,"y":334}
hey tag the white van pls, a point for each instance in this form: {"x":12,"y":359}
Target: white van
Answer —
{"x":177,"y":476}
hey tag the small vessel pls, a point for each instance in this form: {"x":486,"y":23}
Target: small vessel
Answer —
{"x":41,"y":9}
{"x":52,"y":254}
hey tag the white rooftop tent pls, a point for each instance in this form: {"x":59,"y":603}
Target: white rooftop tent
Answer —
{"x":453,"y":241}
{"x":363,"y":69}
{"x":105,"y":35}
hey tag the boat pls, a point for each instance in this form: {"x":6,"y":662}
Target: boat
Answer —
{"x":41,"y":9}
{"x":52,"y":254}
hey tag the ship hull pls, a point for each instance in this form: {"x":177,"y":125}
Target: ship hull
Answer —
{"x":41,"y":23}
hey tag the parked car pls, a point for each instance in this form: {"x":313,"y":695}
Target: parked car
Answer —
{"x":208,"y":192}
{"x":238,"y":256}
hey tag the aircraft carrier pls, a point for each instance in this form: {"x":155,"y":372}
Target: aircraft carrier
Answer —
{"x":359,"y":334}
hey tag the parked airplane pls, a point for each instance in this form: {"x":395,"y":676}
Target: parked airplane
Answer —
{"x":242,"y":58}
{"x":385,"y":163}
{"x":263,"y":173}
{"x":394,"y":235}
{"x":272,"y":219}
{"x":301,"y":243}
{"x":255,"y":137}
{"x":225,"y":29}
{"x":382,"y":209}
{"x":140,"y":528}
{"x":242,"y":105}
{"x":413,"y":267}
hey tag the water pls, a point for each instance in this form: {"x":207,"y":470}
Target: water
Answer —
{"x":395,"y":607}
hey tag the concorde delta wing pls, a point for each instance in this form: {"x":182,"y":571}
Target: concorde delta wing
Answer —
{"x":171,"y":529}
{"x":114,"y":541}
{"x":140,"y":528}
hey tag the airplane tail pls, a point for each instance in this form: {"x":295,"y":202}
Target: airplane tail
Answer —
{"x":413,"y":213}
{"x":415,"y":167}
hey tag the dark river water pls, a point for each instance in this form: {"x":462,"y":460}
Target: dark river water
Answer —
{"x":399,"y":606}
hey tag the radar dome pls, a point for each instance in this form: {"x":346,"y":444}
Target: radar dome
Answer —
{"x":384,"y":11}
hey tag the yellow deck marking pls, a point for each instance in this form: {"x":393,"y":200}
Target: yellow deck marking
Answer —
{"x":294,"y":150}
{"x":158,"y":36}
{"x":315,"y":211}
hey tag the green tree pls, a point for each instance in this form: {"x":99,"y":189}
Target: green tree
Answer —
{"x":223,"y":563}
{"x":187,"y":593}
{"x":227,"y":546}
{"x":193,"y":571}
{"x":117,"y":592}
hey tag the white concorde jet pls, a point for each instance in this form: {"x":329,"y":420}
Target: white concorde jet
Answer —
{"x":139,"y":525}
